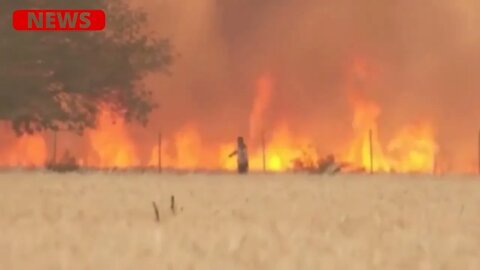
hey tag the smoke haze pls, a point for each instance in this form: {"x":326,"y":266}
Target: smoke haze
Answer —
{"x":299,"y":72}
{"x":425,"y":55}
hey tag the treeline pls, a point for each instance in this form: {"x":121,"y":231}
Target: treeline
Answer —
{"x":52,"y":80}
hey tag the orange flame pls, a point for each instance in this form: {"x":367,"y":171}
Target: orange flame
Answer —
{"x":110,"y":142}
{"x":366,"y":137}
{"x":283,"y":148}
{"x":25,"y":151}
{"x":413,"y":149}
{"x":188,"y":145}
{"x":261,"y":102}
{"x":280,"y":151}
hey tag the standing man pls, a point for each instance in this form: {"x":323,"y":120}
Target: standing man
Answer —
{"x":242,"y":156}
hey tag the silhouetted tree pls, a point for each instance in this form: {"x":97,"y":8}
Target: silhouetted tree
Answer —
{"x":50,"y":80}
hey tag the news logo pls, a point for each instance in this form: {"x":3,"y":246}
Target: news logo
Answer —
{"x":58,"y":20}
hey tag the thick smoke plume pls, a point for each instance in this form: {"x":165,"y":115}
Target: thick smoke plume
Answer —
{"x":306,"y":70}
{"x":425,"y":52}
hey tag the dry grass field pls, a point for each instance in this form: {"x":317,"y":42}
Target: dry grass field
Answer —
{"x":227,"y":222}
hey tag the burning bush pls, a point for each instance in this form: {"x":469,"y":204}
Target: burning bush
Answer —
{"x":327,"y":165}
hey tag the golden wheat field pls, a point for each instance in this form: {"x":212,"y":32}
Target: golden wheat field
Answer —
{"x":107,"y":221}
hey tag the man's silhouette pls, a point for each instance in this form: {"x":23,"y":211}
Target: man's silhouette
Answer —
{"x":242,"y":156}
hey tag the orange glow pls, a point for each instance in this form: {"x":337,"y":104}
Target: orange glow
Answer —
{"x":263,"y":94}
{"x":283,"y":148}
{"x":167,"y":160}
{"x":364,"y":126}
{"x":412,"y":149}
{"x":184,"y":150}
{"x":188,"y":145}
{"x":28,"y":150}
{"x":280,"y":152}
{"x":24,"y":151}
{"x":111,"y":144}
{"x":226,"y":163}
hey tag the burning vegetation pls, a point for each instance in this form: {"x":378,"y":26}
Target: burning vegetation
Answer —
{"x":110,"y":145}
{"x":346,"y":86}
